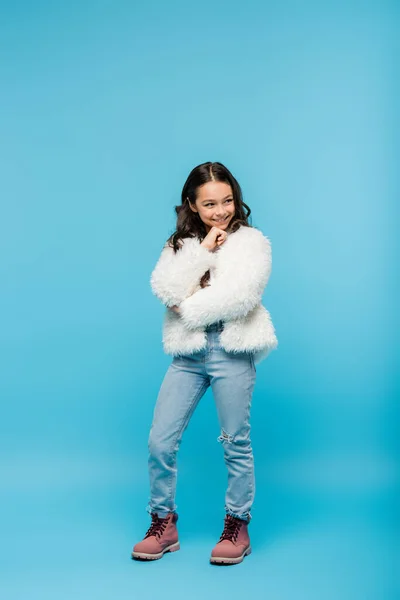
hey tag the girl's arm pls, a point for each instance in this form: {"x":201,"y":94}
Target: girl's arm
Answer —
{"x":236,"y":291}
{"x":175,"y":276}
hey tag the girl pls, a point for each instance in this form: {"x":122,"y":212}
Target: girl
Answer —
{"x":211,"y":275}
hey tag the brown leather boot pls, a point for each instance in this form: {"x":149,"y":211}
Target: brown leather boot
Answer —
{"x":234,"y":543}
{"x":161,"y":537}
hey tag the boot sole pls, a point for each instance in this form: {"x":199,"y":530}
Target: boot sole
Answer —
{"x":145,"y":556}
{"x":223,"y":560}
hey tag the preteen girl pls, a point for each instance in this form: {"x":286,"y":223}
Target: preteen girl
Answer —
{"x":210,"y":276}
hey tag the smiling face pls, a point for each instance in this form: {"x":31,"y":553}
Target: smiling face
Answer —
{"x":215,"y":204}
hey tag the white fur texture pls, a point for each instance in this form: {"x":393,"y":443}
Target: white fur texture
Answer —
{"x":240,"y":270}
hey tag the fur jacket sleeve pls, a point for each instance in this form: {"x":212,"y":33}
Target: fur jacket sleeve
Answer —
{"x":240,"y":271}
{"x":242,"y":274}
{"x":177,"y":275}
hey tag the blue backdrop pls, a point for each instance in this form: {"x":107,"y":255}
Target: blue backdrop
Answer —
{"x":105,"y":107}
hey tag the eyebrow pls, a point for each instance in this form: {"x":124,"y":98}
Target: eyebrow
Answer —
{"x":212,"y":200}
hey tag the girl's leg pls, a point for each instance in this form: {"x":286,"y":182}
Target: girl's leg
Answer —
{"x":232,"y":381}
{"x":183,"y":386}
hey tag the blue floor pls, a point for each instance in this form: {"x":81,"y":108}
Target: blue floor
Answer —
{"x":72,"y":539}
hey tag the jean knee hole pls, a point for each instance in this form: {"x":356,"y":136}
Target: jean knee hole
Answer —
{"x":225,"y":437}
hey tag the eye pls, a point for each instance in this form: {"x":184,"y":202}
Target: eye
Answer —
{"x":230,"y":200}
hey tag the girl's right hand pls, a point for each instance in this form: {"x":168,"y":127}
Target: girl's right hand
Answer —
{"x":215,"y":237}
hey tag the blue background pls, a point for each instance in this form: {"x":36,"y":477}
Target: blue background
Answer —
{"x":105,"y":107}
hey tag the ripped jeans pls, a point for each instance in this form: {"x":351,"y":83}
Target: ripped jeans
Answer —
{"x":232,"y":378}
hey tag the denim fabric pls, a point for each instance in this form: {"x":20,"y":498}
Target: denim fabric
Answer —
{"x":232,"y":378}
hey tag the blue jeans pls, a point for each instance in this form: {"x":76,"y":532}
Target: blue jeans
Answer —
{"x":232,"y":378}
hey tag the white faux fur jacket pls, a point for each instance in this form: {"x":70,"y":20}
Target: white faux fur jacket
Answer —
{"x":239,"y":272}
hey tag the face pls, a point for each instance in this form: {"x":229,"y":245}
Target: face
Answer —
{"x":215,"y":205}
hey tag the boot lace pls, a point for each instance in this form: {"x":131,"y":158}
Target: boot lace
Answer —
{"x":157,"y":526}
{"x":231,"y":529}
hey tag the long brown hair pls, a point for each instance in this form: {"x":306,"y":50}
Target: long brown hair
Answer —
{"x":189,"y":223}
